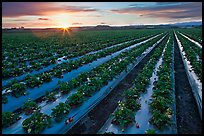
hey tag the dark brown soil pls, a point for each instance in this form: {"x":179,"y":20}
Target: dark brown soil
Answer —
{"x":95,"y":119}
{"x":188,"y":118}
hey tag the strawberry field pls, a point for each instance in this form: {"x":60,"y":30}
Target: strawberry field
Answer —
{"x":101,"y":81}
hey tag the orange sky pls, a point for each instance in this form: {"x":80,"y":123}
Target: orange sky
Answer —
{"x":66,"y":14}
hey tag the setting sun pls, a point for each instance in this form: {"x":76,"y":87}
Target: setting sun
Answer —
{"x":64,"y":26}
{"x":62,"y":21}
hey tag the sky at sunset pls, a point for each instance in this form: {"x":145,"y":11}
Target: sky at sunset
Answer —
{"x":69,"y":14}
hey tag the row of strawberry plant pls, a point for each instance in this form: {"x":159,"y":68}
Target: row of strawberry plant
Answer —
{"x":19,"y":89}
{"x":163,"y":90}
{"x":85,"y":76}
{"x":16,"y":65}
{"x":7,"y":71}
{"x":92,"y":81}
{"x":30,"y":106}
{"x":9,"y":118}
{"x":37,"y":123}
{"x":195,"y":34}
{"x":191,"y":55}
{"x":88,"y":88}
{"x":125,"y":113}
{"x":42,"y":54}
{"x":192,"y":45}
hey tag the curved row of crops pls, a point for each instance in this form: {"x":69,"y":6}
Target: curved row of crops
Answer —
{"x":125,"y":114}
{"x":101,"y":75}
{"x":193,"y":54}
{"x":85,"y":59}
{"x":194,"y":33}
{"x":161,"y":106}
{"x":65,"y":60}
{"x":19,"y":88}
{"x":21,"y":56}
{"x":148,"y":90}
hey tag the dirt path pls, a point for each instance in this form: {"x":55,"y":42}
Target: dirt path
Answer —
{"x":188,"y":118}
{"x":95,"y":119}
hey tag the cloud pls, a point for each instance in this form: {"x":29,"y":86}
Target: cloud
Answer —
{"x":21,"y":20}
{"x":17,"y":9}
{"x":170,"y":10}
{"x":79,"y":9}
{"x":96,"y":15}
{"x":77,"y":23}
{"x":35,"y":24}
{"x":140,"y":4}
{"x":43,"y":18}
{"x":90,"y":15}
{"x":169,"y":3}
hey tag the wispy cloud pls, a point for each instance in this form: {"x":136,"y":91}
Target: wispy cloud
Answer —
{"x":77,"y":23}
{"x":169,"y":3}
{"x":20,"y":20}
{"x":96,"y":15}
{"x":168,"y":10}
{"x":103,"y":23}
{"x":89,"y":15}
{"x":79,"y":9}
{"x":43,"y":19}
{"x":17,"y":9}
{"x":27,"y":25}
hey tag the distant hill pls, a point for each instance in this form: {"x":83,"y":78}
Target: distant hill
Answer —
{"x":187,"y":24}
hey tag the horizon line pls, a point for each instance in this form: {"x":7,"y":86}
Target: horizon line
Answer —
{"x":98,"y":25}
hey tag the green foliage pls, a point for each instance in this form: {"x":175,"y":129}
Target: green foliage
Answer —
{"x":65,"y":87}
{"x":50,"y":96}
{"x":9,"y":118}
{"x":45,"y":77}
{"x":123,"y":116}
{"x":33,"y":81}
{"x":18,"y":89}
{"x":30,"y":106}
{"x":162,"y":95}
{"x":60,"y":111}
{"x":75,"y":99}
{"x":36,"y":123}
{"x":192,"y":51}
{"x":132,"y":104}
{"x":109,"y":133}
{"x":150,"y":131}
